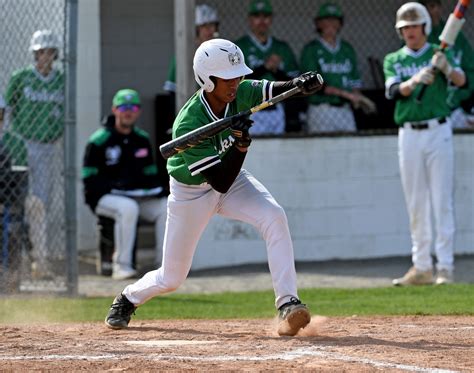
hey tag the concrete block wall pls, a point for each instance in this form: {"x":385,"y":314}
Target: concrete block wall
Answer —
{"x":343,"y":199}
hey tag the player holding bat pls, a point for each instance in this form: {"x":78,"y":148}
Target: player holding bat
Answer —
{"x":425,"y":145}
{"x":208,"y":179}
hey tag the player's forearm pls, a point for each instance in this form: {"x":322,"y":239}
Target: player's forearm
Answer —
{"x":406,"y":88}
{"x":458,"y":78}
{"x":222,"y":176}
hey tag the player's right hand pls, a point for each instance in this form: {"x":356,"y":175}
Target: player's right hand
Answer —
{"x":240,"y":130}
{"x":426,"y":76}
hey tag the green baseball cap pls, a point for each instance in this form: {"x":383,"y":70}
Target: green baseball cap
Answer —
{"x":260,"y":6}
{"x":329,"y":10}
{"x":126,"y":96}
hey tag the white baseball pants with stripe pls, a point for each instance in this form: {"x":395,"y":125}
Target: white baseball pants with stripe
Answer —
{"x":190,"y":207}
{"x":426,"y":159}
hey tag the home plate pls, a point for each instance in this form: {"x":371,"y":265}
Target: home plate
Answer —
{"x":167,"y":343}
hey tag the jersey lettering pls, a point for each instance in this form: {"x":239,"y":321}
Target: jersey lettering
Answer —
{"x":226,"y":144}
{"x":43,"y":95}
{"x":336,"y":67}
{"x":407,"y":72}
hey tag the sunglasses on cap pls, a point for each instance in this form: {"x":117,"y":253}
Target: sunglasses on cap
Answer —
{"x":128,"y":107}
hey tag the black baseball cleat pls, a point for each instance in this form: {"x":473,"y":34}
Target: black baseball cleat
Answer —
{"x":120,"y":313}
{"x":293,"y":316}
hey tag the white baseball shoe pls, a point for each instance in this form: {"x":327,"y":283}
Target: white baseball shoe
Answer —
{"x":444,"y":276}
{"x":123,"y":272}
{"x":414,"y":277}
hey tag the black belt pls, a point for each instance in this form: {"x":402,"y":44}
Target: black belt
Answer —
{"x":425,"y":125}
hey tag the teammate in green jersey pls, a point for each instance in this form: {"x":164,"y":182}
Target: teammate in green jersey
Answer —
{"x":463,"y":54}
{"x":208,"y":179}
{"x":207,"y":27}
{"x":35,"y":97}
{"x":269,"y":58}
{"x":425,"y":143}
{"x":330,"y":109}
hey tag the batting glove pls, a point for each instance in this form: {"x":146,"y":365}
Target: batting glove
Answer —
{"x":426,"y":76}
{"x":309,"y":82}
{"x":240,"y":131}
{"x":440,"y":61}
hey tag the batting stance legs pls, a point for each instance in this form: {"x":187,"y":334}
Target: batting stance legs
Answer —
{"x":189,"y":210}
{"x":426,"y":167}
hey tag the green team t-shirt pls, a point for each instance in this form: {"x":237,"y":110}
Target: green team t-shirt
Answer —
{"x":400,"y":66}
{"x":464,"y":56}
{"x":256,"y":54}
{"x":337,"y":65}
{"x":186,"y":166}
{"x":37,"y":104}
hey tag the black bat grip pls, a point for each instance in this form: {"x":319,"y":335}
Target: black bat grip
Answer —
{"x":420,"y":94}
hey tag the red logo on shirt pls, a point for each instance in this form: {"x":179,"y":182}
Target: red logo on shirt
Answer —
{"x":141,"y":153}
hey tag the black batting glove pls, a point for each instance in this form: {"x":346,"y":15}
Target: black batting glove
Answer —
{"x":309,"y":82}
{"x":240,"y":130}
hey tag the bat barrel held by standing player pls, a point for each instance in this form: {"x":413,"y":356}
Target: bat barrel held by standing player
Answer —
{"x":447,"y":38}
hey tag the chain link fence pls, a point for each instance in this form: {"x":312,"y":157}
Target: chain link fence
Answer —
{"x":33,"y":252}
{"x":355,"y":62}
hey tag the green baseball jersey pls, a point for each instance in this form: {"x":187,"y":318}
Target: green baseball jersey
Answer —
{"x":464,"y":56}
{"x":16,"y":148}
{"x":37,"y":104}
{"x":186,"y":166}
{"x":170,"y":84}
{"x":256,"y":54}
{"x":400,"y":66}
{"x":338,"y":66}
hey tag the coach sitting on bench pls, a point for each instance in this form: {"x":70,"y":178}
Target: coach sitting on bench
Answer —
{"x":121,"y":180}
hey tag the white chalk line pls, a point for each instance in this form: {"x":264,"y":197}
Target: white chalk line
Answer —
{"x":423,"y":327}
{"x":315,"y":351}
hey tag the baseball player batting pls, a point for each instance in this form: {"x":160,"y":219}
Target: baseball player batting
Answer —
{"x":208,"y":179}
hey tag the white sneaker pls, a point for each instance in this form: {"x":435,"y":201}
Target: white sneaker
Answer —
{"x":123,"y":272}
{"x":444,"y":276}
{"x":414,"y":277}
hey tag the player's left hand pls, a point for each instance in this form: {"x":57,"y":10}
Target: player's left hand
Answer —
{"x":309,"y":82}
{"x":440,"y":61}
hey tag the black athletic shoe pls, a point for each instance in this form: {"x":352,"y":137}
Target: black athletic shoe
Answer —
{"x":120,"y":313}
{"x":293,"y":316}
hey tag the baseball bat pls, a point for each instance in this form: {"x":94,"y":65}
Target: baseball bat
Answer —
{"x":450,"y":32}
{"x":200,"y":134}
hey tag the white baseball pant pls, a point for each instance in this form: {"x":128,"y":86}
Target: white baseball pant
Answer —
{"x":426,"y":159}
{"x":190,"y":207}
{"x":125,"y":212}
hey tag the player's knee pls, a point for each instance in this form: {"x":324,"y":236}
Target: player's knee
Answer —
{"x":171,"y":283}
{"x":129,"y":210}
{"x":274,"y":216}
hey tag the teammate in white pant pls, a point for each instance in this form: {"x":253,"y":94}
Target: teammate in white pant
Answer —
{"x":121,"y":180}
{"x":207,"y":179}
{"x":425,"y":142}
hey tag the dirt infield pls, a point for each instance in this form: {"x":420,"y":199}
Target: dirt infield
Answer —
{"x":420,"y":344}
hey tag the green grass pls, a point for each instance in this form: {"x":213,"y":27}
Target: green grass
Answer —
{"x":456,"y":299}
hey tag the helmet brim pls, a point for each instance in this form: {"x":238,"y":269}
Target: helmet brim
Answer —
{"x":234,"y":73}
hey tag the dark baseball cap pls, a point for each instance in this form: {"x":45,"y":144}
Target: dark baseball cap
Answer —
{"x":260,"y":7}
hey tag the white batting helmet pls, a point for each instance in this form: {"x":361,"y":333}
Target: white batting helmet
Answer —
{"x":220,"y":58}
{"x":205,"y":14}
{"x":411,"y":14}
{"x":43,"y":39}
